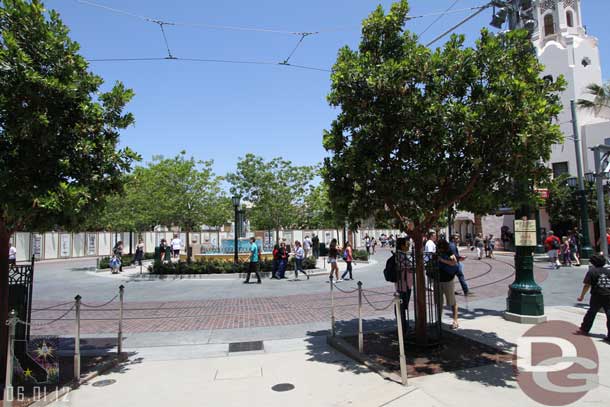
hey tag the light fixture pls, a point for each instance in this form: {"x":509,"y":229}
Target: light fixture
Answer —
{"x":235,"y":200}
{"x":590,"y":177}
{"x":571,"y":182}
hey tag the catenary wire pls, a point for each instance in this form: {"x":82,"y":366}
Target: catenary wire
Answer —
{"x":436,"y":20}
{"x":464,"y":21}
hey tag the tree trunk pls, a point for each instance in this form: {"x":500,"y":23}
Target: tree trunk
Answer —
{"x":478,"y":224}
{"x":218,"y":241}
{"x":277,"y":235}
{"x":4,"y":248}
{"x":421,"y":333}
{"x":187,"y":245}
{"x":338,"y":238}
{"x":130,"y":243}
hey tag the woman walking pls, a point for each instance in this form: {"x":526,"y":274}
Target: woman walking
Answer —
{"x":139,"y":253}
{"x":491,"y":245}
{"x":117,"y":250}
{"x":478,"y":244}
{"x":332,"y":259}
{"x":299,"y":255}
{"x":404,"y":282}
{"x":276,"y":262}
{"x":283,"y":253}
{"x":348,"y":257}
{"x":566,"y":255}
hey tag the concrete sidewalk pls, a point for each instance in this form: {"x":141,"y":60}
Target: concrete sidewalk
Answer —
{"x":195,"y":375}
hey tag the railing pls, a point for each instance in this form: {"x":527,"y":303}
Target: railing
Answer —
{"x":395,"y":301}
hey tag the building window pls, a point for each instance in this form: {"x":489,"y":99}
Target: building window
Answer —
{"x":560,"y":168}
{"x":570,"y":19}
{"x":549,"y":25}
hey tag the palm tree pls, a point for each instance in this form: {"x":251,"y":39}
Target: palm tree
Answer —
{"x":601,"y":98}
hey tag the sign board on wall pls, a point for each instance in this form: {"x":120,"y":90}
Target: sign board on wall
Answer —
{"x":525,"y":233}
{"x":64,"y":246}
{"x":37,"y":246}
{"x":91,"y":244}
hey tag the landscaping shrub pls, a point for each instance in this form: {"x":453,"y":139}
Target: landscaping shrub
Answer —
{"x":361,"y":255}
{"x":126,"y":259}
{"x":219,"y":267}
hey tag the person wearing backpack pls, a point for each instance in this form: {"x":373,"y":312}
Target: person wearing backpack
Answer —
{"x":598,"y":280}
{"x":448,"y":268}
{"x":348,"y":257}
{"x":403,"y":273}
{"x":552,"y":245}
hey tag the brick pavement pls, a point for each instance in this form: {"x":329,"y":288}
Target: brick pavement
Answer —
{"x":487,"y":278}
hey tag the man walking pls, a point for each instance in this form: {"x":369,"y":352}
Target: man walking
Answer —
{"x":176,"y":244}
{"x":453,"y":246}
{"x":253,"y":266}
{"x":598,"y":280}
{"x":552,"y":245}
{"x":307,"y":246}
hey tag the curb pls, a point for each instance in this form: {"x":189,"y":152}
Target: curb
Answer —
{"x":347,"y":349}
{"x":60,"y":393}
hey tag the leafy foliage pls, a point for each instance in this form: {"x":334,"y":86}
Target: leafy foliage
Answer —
{"x":275,"y":188}
{"x":600,"y":98}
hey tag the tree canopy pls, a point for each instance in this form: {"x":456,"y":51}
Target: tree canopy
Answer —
{"x":275,"y":188}
{"x":59,"y":131}
{"x":420,"y":130}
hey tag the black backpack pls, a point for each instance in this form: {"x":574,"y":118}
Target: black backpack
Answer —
{"x":555,"y":244}
{"x":390,"y":272}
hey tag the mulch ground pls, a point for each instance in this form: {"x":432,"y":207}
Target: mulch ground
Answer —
{"x":453,"y":353}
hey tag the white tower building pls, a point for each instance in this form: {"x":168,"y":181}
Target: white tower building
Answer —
{"x":564,"y":48}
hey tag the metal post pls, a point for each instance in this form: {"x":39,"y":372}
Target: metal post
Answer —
{"x":332,"y":306}
{"x":600,"y":201}
{"x":77,"y":339}
{"x":360,"y":333}
{"x":120,"y":338}
{"x":401,"y":342}
{"x":10,"y":356}
{"x":586,"y":251}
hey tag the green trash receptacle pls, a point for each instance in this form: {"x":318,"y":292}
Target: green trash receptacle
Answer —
{"x":168,"y":254}
{"x":157,"y":253}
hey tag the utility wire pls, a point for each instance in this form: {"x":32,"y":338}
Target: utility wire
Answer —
{"x":464,"y":21}
{"x":295,"y":48}
{"x":438,"y":18}
{"x":169,"y":52}
{"x":258,"y":29}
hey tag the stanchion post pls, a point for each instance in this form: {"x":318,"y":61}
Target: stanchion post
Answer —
{"x":401,"y":342}
{"x":360,"y":333}
{"x":332,"y":306}
{"x":77,"y":339}
{"x":120,"y":338}
{"x":10,"y":356}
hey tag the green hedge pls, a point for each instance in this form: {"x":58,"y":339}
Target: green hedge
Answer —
{"x":360,"y":255}
{"x":218,"y":267}
{"x":126,"y":259}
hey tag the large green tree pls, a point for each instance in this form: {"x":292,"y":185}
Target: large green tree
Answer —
{"x":275,"y":188}
{"x":59,"y":131}
{"x":422,"y":130}
{"x":219,"y":213}
{"x":184,"y":192}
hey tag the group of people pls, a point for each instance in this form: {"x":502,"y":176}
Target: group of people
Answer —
{"x":281,"y":255}
{"x":484,"y":245}
{"x":347,"y":254}
{"x":563,"y":251}
{"x":370,"y":243}
{"x":174,"y":247}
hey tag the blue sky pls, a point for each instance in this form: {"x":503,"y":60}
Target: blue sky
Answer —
{"x":222,"y":111}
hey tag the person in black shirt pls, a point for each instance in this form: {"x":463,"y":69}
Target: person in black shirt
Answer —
{"x":315,"y":242}
{"x":448,"y":268}
{"x":453,"y":246}
{"x":598,"y":280}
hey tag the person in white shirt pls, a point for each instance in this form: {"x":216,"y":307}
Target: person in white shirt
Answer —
{"x":12,"y":255}
{"x":307,"y":246}
{"x":176,"y":244}
{"x":299,"y":255}
{"x":430,"y":246}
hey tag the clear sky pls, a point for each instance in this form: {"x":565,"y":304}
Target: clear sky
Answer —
{"x":222,"y":111}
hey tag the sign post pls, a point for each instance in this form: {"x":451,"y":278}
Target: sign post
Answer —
{"x":525,"y":303}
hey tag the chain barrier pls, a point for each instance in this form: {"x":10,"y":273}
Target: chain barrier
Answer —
{"x":375,"y":308}
{"x":343,"y":291}
{"x":52,"y":308}
{"x":378,"y":292}
{"x":100,"y":305}
{"x":33,"y":324}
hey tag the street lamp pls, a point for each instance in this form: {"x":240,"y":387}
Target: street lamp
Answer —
{"x":572,"y":182}
{"x":236,"y":202}
{"x":590,"y":177}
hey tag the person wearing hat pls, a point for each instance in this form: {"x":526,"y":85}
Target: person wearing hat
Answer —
{"x":598,"y":280}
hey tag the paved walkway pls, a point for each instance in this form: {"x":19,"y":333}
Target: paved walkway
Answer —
{"x":272,"y":304}
{"x":211,"y":375}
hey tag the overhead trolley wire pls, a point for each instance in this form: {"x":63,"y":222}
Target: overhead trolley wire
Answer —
{"x":436,"y":20}
{"x":464,"y":21}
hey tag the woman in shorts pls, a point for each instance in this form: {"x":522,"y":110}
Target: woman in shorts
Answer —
{"x":332,"y":259}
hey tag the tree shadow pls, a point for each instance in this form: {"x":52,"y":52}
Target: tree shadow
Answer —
{"x":486,"y":359}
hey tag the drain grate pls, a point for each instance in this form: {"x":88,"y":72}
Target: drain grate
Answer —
{"x":283,"y":387}
{"x":245,"y":346}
